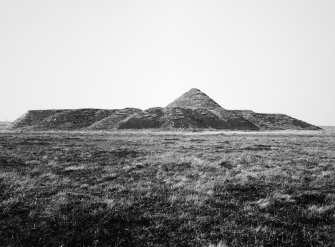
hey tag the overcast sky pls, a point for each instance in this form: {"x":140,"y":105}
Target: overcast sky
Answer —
{"x":268,"y":56}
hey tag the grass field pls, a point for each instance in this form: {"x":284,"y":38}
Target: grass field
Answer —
{"x":167,"y":189}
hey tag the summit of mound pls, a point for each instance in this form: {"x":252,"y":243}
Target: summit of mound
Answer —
{"x":194,"y":98}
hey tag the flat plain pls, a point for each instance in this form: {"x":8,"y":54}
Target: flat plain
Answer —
{"x":151,"y":188}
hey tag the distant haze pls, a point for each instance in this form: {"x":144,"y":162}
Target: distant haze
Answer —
{"x":272,"y":56}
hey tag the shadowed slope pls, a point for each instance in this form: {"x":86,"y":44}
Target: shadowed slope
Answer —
{"x":193,"y":118}
{"x":234,"y":121}
{"x":111,"y":121}
{"x":149,"y":119}
{"x":173,"y":117}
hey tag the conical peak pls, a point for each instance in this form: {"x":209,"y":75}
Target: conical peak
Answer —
{"x":194,"y":90}
{"x":195,"y":93}
{"x":194,"y":98}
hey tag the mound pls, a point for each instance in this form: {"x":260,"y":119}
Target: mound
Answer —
{"x":193,"y":110}
{"x":112,"y":120}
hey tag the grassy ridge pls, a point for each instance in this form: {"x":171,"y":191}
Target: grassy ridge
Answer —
{"x":128,"y":189}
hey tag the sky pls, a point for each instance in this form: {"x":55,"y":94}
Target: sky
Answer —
{"x":271,"y":56}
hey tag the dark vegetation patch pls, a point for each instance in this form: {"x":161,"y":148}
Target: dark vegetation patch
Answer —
{"x":197,"y":140}
{"x":75,"y":189}
{"x":258,"y":147}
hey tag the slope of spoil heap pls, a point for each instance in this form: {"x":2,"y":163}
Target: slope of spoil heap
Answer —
{"x":174,"y":117}
{"x":32,"y":118}
{"x":79,"y":119}
{"x":73,"y":119}
{"x":267,"y":121}
{"x":112,"y":120}
{"x":192,"y":110}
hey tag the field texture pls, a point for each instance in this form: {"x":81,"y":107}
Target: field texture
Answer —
{"x":167,"y":189}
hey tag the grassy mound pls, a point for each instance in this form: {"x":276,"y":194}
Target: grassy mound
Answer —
{"x":192,"y":110}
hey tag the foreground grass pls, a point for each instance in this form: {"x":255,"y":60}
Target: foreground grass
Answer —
{"x":128,"y":189}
